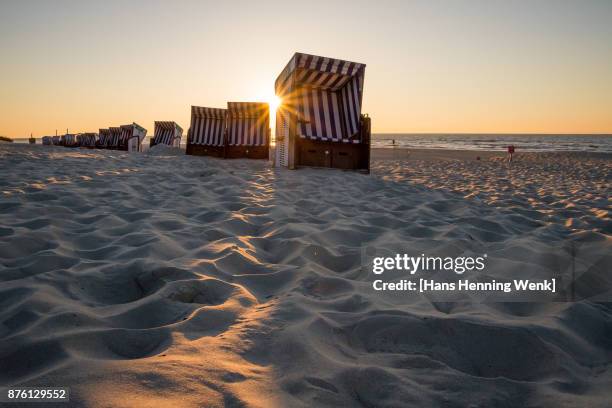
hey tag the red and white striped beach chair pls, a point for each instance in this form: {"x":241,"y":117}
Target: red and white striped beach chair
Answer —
{"x":167,"y":133}
{"x":206,"y":136}
{"x":319,"y":122}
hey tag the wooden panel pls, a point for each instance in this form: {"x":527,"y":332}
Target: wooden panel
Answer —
{"x":313,"y":153}
{"x":345,"y":156}
{"x":247,"y":152}
{"x":199,"y":150}
{"x":339,"y":155}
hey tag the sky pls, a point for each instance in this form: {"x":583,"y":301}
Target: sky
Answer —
{"x":432,"y":66}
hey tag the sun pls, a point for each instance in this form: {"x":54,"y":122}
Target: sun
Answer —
{"x":265,"y":94}
{"x":274,"y":102}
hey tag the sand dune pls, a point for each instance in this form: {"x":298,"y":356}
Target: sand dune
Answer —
{"x":160,"y":278}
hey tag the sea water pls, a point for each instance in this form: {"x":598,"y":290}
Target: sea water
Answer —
{"x":492,"y":141}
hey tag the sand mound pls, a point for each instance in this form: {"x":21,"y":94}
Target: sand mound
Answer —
{"x":165,"y":150}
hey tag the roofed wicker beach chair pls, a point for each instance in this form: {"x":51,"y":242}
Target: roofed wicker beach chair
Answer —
{"x":131,"y":137}
{"x":319,"y":122}
{"x":69,"y":140}
{"x":47,"y":140}
{"x":167,"y":133}
{"x":56,"y":140}
{"x":248,"y":130}
{"x":114,"y":137}
{"x":87,"y":140}
{"x":206,"y":136}
{"x":103,"y":138}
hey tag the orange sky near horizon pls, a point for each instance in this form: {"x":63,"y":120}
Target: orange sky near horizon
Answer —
{"x":457,"y":67}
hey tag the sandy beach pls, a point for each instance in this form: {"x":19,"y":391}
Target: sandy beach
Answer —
{"x":571,"y":188}
{"x":160,"y":278}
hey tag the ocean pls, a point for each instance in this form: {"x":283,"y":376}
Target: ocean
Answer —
{"x":483,"y":141}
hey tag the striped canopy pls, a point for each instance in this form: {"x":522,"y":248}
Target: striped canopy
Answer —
{"x":248,"y":123}
{"x":207,"y":126}
{"x":104,"y":137}
{"x":166,"y":131}
{"x":126,"y":132}
{"x":326,"y":95}
{"x":114,"y":137}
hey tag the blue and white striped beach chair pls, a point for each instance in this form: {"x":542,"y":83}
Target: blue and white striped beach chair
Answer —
{"x":168,"y":133}
{"x":206,"y":136}
{"x":87,"y":140}
{"x":103,"y":138}
{"x":319,"y":122}
{"x":248,"y":130}
{"x":114,"y":138}
{"x":68,"y":140}
{"x":131,"y":137}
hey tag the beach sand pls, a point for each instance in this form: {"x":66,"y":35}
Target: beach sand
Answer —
{"x":163,"y":279}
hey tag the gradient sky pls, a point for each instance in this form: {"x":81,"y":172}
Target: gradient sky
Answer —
{"x":432,"y":66}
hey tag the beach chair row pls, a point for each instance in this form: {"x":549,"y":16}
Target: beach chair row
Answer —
{"x":125,"y":137}
{"x":240,"y":131}
{"x":318,"y":123}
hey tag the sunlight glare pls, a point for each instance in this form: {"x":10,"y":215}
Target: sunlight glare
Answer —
{"x":274,"y":102}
